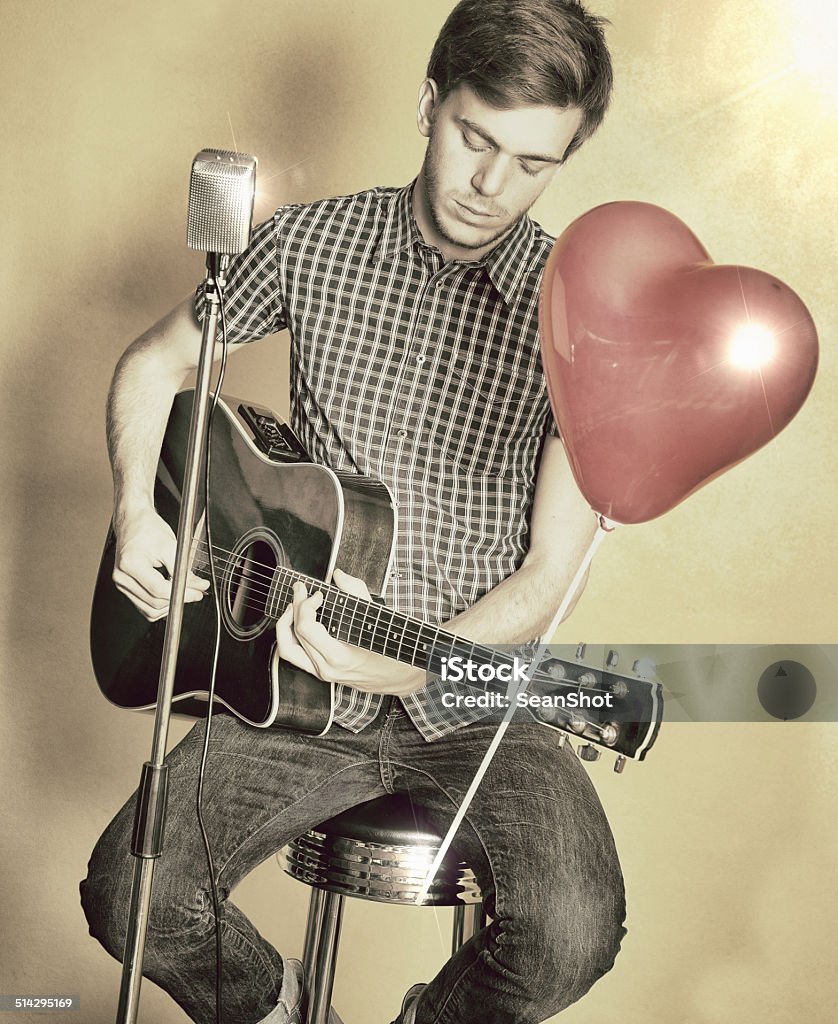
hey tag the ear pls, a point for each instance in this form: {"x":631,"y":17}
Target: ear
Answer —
{"x":428,"y":97}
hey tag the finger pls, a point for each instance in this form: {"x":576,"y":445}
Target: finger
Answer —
{"x":288,"y":646}
{"x":129,"y":585}
{"x":146,"y":575}
{"x":285,"y":630}
{"x":351,"y":584}
{"x":322,"y":650}
{"x":148,"y":611}
{"x":150,"y":608}
{"x":197,"y":583}
{"x":305,"y":609}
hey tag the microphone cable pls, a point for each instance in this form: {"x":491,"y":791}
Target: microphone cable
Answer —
{"x":199,"y":798}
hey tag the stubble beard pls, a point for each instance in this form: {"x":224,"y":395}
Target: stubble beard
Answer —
{"x":432,"y":194}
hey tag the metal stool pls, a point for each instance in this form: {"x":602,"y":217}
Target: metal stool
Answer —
{"x":380,"y":850}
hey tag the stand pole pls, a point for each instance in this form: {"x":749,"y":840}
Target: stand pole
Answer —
{"x":147,"y":841}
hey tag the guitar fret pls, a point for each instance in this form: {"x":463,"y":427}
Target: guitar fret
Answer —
{"x":347,"y":612}
{"x":363,"y":627}
{"x":350,"y":628}
{"x":338,"y":606}
{"x":394,"y":636}
{"x":387,"y":631}
{"x":388,"y":636}
{"x":431,"y":647}
{"x":373,"y":642}
{"x":398,"y":653}
{"x":415,"y":654}
{"x":328,"y":606}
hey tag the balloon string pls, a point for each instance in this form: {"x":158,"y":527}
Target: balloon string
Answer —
{"x":507,"y":718}
{"x":576,"y":582}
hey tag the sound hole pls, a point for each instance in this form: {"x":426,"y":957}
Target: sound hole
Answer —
{"x":247,"y":584}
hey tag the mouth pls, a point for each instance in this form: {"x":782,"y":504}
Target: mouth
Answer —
{"x":476,"y":214}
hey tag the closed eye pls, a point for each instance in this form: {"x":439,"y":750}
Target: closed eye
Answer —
{"x":470,"y":144}
{"x":532,"y":171}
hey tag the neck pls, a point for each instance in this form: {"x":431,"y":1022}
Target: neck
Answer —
{"x":429,"y":231}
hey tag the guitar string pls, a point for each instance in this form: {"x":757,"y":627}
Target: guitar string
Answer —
{"x":409,"y":626}
{"x":411,"y":634}
{"x":410,"y":631}
{"x":330,"y":591}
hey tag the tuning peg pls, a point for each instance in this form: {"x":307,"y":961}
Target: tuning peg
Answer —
{"x":612,"y":658}
{"x":588,"y":752}
{"x":609,"y":734}
{"x":556,"y":670}
{"x":587,"y":679}
{"x":619,"y":764}
{"x":551,"y":716}
{"x":580,"y":651}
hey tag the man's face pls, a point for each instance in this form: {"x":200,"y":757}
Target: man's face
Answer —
{"x":483,"y":167}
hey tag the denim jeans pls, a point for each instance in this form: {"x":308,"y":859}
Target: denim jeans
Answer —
{"x":536,"y":837}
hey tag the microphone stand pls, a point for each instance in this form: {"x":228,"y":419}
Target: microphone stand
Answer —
{"x":147,"y":838}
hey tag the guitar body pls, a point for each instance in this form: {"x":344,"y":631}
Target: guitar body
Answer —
{"x":276,"y":517}
{"x":269,"y":506}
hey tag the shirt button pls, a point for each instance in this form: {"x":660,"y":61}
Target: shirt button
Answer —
{"x":420,"y":360}
{"x":395,"y":575}
{"x":401,"y":433}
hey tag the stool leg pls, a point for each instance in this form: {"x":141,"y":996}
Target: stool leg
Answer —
{"x":459,"y":926}
{"x":325,"y":958}
{"x":313,"y":925}
{"x":468,"y":920}
{"x":475,"y":920}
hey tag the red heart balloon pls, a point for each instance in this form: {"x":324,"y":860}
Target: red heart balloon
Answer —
{"x":664,"y":369}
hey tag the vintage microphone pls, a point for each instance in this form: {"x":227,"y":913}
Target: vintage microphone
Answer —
{"x":221,"y":193}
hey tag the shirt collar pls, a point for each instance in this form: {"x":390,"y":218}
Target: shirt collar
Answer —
{"x":399,"y":230}
{"x":506,"y":265}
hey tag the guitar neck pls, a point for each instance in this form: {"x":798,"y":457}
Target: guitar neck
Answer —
{"x":595,"y":704}
{"x":375,"y":627}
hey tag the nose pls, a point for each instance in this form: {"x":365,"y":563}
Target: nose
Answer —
{"x":490,"y":177}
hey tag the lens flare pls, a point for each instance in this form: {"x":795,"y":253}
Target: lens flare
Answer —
{"x":752,"y":346}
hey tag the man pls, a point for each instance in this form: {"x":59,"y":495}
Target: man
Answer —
{"x":413,"y":322}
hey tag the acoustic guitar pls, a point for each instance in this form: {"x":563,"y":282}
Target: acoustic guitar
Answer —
{"x":277,"y":517}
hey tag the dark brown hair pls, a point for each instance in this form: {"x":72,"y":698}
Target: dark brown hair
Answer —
{"x":525,"y":52}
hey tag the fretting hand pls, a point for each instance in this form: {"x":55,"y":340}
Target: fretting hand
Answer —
{"x":306,"y":643}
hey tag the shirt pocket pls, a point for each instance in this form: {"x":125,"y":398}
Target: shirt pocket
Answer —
{"x":487,"y":414}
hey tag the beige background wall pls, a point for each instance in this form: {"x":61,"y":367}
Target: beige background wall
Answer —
{"x":724,"y":113}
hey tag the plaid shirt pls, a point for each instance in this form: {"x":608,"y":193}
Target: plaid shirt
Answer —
{"x":421,"y":373}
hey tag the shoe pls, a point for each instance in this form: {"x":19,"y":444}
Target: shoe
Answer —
{"x":408,"y":1014}
{"x":288,"y":1009}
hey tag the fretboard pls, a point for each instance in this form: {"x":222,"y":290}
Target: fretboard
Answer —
{"x":375,"y":627}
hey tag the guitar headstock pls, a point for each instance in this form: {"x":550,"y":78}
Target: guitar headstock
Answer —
{"x":589,"y":698}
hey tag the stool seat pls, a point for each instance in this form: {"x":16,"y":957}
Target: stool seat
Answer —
{"x":381,"y":850}
{"x":390,"y":820}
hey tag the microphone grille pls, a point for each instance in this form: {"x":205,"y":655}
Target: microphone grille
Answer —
{"x":221,"y":189}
